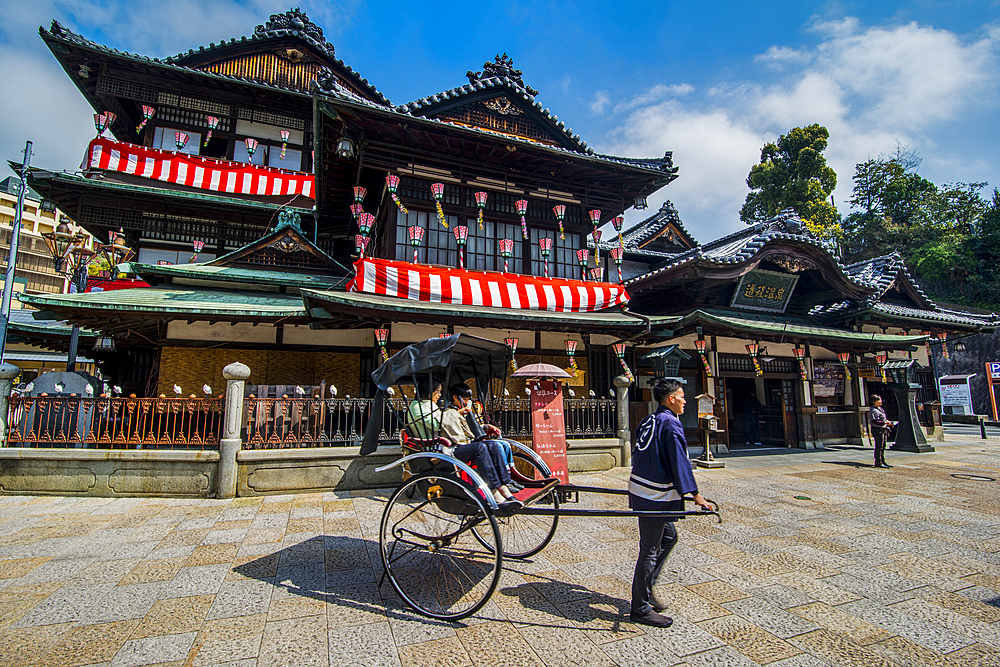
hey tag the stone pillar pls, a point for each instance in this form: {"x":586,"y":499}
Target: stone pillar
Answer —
{"x":236,"y":375}
{"x":7,"y":374}
{"x":624,"y":436}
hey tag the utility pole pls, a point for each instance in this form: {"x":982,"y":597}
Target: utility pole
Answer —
{"x":15,"y":235}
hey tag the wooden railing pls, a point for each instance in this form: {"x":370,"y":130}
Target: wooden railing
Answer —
{"x":115,"y":423}
{"x":276,"y":423}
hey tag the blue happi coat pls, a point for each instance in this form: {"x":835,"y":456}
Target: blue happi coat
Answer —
{"x":661,"y":470}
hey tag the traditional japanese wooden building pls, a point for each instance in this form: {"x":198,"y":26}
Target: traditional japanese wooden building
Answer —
{"x":284,"y":211}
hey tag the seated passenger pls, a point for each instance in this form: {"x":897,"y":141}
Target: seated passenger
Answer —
{"x":485,"y":453}
{"x":423,"y":415}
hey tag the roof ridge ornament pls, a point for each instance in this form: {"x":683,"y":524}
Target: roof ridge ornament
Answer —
{"x":293,"y":19}
{"x":502,"y":67}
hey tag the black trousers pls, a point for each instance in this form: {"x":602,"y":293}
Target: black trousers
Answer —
{"x":881,"y":437}
{"x":656,"y":539}
{"x":488,"y":459}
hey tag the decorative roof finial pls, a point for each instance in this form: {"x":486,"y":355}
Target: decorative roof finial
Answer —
{"x":502,"y":66}
{"x":293,"y":19}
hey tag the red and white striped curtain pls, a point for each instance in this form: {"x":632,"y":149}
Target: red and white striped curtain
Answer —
{"x":477,"y":288}
{"x":194,"y":171}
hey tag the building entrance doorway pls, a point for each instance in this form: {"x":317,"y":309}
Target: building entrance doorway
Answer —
{"x":765,"y":419}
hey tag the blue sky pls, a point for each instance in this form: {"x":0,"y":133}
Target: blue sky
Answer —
{"x":710,"y":81}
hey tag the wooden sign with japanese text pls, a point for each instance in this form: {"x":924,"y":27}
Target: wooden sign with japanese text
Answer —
{"x":548,"y":426}
{"x":764,"y":290}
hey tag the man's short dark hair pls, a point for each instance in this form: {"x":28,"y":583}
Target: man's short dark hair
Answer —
{"x":876,"y":397}
{"x":461,"y":390}
{"x":664,"y":387}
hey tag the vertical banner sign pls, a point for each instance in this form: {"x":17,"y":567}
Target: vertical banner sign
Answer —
{"x":548,"y":427}
{"x":993,"y":378}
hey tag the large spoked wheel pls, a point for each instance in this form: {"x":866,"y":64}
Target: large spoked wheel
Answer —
{"x":524,"y":536}
{"x":434,"y":560}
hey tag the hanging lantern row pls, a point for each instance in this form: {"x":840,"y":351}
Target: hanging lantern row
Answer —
{"x":753,"y":349}
{"x":382,"y":338}
{"x":618,"y":256}
{"x":437,"y":189}
{"x":365,"y":223}
{"x":461,"y":238}
{"x":506,"y":251}
{"x":359,"y":194}
{"x":597,"y":274}
{"x":213,"y":123}
{"x":392,"y":182}
{"x":512,"y":344}
{"x":620,"y":353}
{"x":927,"y":344}
{"x":481,"y":205}
{"x":522,"y":209}
{"x":545,"y":247}
{"x":103,"y":121}
{"x":845,"y":358}
{"x":251,"y":145}
{"x":571,"y":353}
{"x":180,"y":140}
{"x":416,"y":234}
{"x":360,"y":244}
{"x":943,"y":337}
{"x":700,"y":345}
{"x":560,"y":211}
{"x":800,"y":356}
{"x":356,"y":210}
{"x":147,"y":113}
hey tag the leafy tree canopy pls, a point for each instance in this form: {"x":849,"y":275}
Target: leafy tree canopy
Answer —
{"x":793,"y":173}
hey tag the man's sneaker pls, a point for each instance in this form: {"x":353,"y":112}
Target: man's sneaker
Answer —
{"x":656,"y":604}
{"x":652,"y":618}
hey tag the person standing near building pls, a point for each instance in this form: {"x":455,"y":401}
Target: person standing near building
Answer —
{"x":880,"y":427}
{"x":751,"y":413}
{"x":661,"y":475}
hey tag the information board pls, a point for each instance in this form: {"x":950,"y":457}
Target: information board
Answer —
{"x":764,"y":290}
{"x":828,"y":380}
{"x":548,"y":427}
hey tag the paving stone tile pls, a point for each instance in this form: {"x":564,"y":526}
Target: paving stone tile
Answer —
{"x":64,"y":605}
{"x":174,"y":616}
{"x":802,"y":660}
{"x":300,"y":642}
{"x":89,"y":644}
{"x":105,"y":572}
{"x":839,"y":650}
{"x":683,"y":638}
{"x":197,"y":580}
{"x":368,"y":645}
{"x":903,"y":652}
{"x":122,"y":603}
{"x":562,"y":646}
{"x":496,"y":643}
{"x":750,"y":640}
{"x":817,"y":589}
{"x":904,"y":625}
{"x":26,"y":646}
{"x":683,"y":602}
{"x":14,"y":568}
{"x":837,"y":620}
{"x":637,"y":652}
{"x":720,"y":657}
{"x":867,"y":589}
{"x":154,"y":650}
{"x":782,"y":596}
{"x":771,"y":618}
{"x":963,"y":625}
{"x":229,"y":639}
{"x":159,"y":569}
{"x":355,"y":605}
{"x":978,"y":655}
{"x":444,"y":652}
{"x":524,"y":605}
{"x":241,"y":598}
{"x":62,"y":569}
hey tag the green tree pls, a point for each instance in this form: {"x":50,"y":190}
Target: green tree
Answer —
{"x":793,"y":173}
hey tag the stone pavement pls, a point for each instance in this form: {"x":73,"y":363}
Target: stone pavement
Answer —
{"x":821,"y":560}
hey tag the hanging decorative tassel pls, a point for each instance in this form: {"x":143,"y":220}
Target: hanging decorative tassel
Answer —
{"x":700,"y":345}
{"x":392,"y":182}
{"x":213,"y":123}
{"x":560,"y":211}
{"x":481,"y":205}
{"x":438,"y":190}
{"x":285,"y":134}
{"x":461,"y":238}
{"x":545,"y":246}
{"x":944,"y":345}
{"x":512,"y":344}
{"x":416,"y":239}
{"x":506,"y":251}
{"x":522,"y":207}
{"x":620,"y":353}
{"x":597,"y":250}
{"x":147,"y":113}
{"x":571,"y":353}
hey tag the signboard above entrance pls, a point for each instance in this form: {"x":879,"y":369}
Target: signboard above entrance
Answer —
{"x":764,"y":290}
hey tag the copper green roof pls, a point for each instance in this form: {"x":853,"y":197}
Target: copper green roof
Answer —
{"x":176,"y":302}
{"x":262,"y":276}
{"x":787,"y":329}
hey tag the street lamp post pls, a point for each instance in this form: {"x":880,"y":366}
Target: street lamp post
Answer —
{"x":70,"y":257}
{"x":15,"y":234}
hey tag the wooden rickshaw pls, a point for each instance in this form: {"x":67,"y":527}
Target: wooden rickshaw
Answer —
{"x":443,"y":537}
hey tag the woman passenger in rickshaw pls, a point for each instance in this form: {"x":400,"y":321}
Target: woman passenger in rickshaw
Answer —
{"x":425,"y":419}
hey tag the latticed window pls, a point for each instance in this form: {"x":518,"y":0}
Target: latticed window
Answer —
{"x":439,"y":245}
{"x":562,"y":260}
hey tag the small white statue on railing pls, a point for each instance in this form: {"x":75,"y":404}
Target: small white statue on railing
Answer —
{"x":59,"y":386}
{"x":333,"y":390}
{"x":116,"y":389}
{"x":177,"y":390}
{"x":572,"y":394}
{"x":208,"y":390}
{"x":300,"y":392}
{"x":89,"y":390}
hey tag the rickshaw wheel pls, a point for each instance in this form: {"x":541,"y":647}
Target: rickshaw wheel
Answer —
{"x":433,"y":559}
{"x":524,"y":536}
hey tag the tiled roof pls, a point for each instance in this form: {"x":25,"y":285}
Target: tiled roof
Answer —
{"x":845,"y":309}
{"x":648,"y":229}
{"x":881,"y":272}
{"x":58,"y":31}
{"x":743,"y":245}
{"x":263,"y":276}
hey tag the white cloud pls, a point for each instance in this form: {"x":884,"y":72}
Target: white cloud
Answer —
{"x":654,"y":94}
{"x":871,"y":87}
{"x":600,"y":102}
